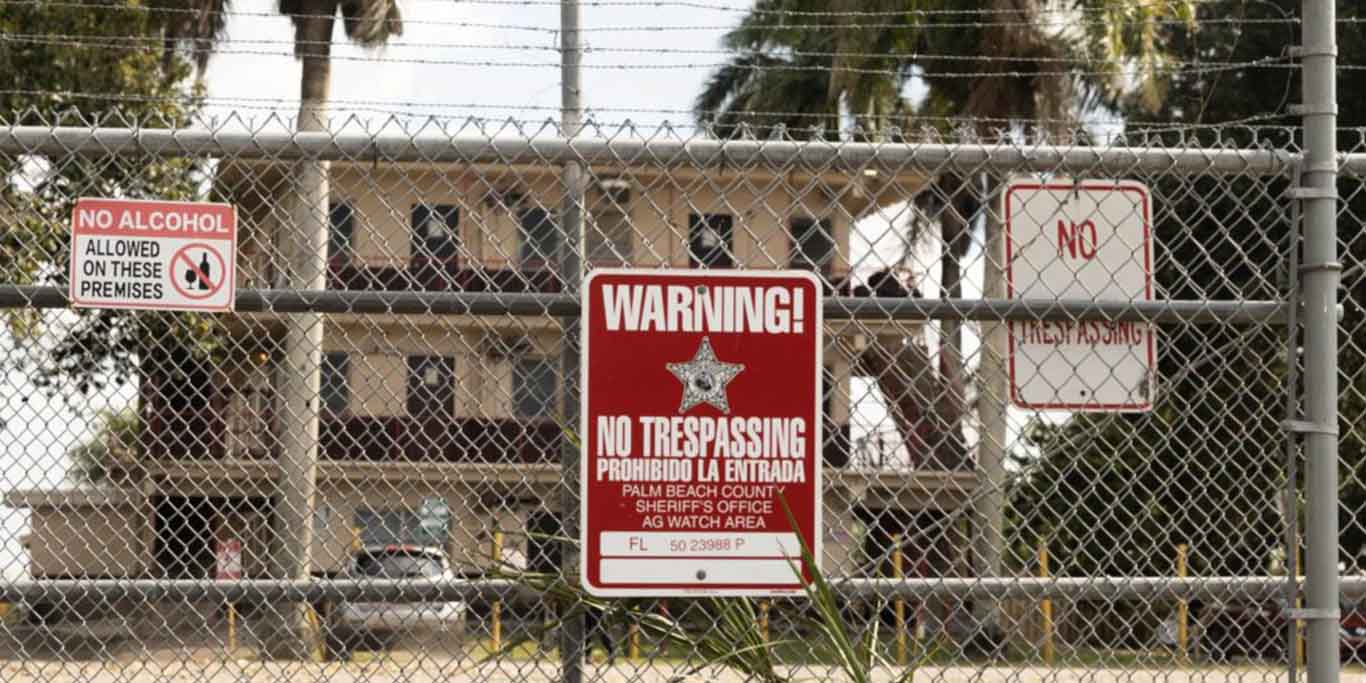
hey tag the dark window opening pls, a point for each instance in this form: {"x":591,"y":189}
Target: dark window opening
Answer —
{"x":534,"y":383}
{"x":711,"y":240}
{"x":431,"y":387}
{"x":813,"y":244}
{"x":540,"y":238}
{"x":342,"y":231}
{"x":436,"y":232}
{"x":334,"y":389}
{"x":184,"y":533}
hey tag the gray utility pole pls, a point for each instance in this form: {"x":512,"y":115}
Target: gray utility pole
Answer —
{"x":571,"y":270}
{"x":1320,"y":275}
{"x":303,"y":242}
{"x":988,"y":506}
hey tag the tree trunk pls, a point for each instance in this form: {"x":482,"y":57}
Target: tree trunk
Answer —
{"x":908,"y":382}
{"x":302,"y":243}
{"x":955,"y":229}
{"x":992,"y":398}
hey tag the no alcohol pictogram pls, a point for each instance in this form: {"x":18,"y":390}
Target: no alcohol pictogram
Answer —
{"x":197,"y":271}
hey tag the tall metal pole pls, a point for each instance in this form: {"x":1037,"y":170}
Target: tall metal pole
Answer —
{"x":571,"y":270}
{"x":988,"y":501}
{"x":1321,"y":272}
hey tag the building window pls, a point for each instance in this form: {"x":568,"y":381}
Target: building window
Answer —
{"x":534,"y":384}
{"x":711,"y":240}
{"x":334,"y":390}
{"x":540,"y":238}
{"x":431,"y":386}
{"x":436,"y":231}
{"x":813,"y":244}
{"x":342,"y":230}
{"x":610,"y":236}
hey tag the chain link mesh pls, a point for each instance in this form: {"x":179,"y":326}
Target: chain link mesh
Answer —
{"x":142,"y":450}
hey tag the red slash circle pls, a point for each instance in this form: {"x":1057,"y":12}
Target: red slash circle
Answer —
{"x":182,"y":262}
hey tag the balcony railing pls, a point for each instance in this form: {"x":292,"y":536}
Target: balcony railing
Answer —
{"x":461,"y":275}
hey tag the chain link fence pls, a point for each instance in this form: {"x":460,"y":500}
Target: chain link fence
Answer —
{"x":360,"y":473}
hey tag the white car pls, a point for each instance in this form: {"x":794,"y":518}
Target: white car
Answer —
{"x":387,"y":619}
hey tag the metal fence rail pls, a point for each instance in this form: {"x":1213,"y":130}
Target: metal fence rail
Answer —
{"x":373,"y":450}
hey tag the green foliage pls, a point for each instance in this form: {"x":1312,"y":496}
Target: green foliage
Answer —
{"x":799,"y":64}
{"x":117,"y":437}
{"x":116,"y":75}
{"x":1115,"y":494}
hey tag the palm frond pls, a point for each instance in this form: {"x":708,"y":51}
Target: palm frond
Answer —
{"x":371,"y":23}
{"x":194,"y":24}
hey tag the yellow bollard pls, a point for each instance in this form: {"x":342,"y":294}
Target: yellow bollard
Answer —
{"x":313,"y":621}
{"x":232,"y":630}
{"x":1182,"y":609}
{"x":1046,"y":609}
{"x":899,"y":573}
{"x":497,"y":626}
{"x":634,"y":639}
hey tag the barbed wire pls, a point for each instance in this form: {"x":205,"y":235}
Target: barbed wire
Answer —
{"x":517,"y":47}
{"x":755,"y":10}
{"x":656,"y":28}
{"x":422,"y":111}
{"x":1189,"y":68}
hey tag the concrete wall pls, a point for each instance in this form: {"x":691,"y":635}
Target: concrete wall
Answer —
{"x":96,"y":540}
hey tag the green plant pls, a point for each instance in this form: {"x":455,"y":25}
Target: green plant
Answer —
{"x":734,"y":638}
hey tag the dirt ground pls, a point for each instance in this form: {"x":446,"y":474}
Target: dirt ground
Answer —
{"x":111,"y":656}
{"x":450,"y":671}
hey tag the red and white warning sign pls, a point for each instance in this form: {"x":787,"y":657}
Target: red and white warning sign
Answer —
{"x":1080,"y":241}
{"x":153,"y":255}
{"x":701,"y":414}
{"x":228,"y":560}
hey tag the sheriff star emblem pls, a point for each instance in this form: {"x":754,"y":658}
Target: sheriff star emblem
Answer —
{"x":705,"y":378}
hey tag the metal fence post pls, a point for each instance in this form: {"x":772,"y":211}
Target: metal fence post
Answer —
{"x":1321,"y":272}
{"x":571,"y":270}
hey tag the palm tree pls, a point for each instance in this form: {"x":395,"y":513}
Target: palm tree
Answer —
{"x":804,"y":62}
{"x":198,"y":25}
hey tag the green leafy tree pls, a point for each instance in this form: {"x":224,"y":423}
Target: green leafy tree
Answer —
{"x":1115,"y":494}
{"x":803,"y":67}
{"x":91,"y":65}
{"x":117,"y":437}
{"x":1013,"y":64}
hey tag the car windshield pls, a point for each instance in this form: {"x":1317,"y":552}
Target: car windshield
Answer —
{"x":398,"y":565}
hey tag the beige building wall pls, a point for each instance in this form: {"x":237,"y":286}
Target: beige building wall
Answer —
{"x":658,"y":211}
{"x":116,"y":540}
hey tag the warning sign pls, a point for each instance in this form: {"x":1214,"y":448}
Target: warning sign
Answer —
{"x":702,"y":413}
{"x":153,"y":255}
{"x":1080,"y":241}
{"x":228,"y":560}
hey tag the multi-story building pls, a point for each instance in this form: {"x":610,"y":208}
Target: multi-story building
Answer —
{"x":441,"y":429}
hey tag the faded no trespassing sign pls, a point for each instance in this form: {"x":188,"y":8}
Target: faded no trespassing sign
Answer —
{"x":153,"y":255}
{"x":1080,"y":241}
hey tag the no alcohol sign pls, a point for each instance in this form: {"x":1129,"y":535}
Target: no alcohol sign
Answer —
{"x":701,"y":415}
{"x":153,"y":255}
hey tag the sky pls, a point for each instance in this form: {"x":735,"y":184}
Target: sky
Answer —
{"x":494,"y":60}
